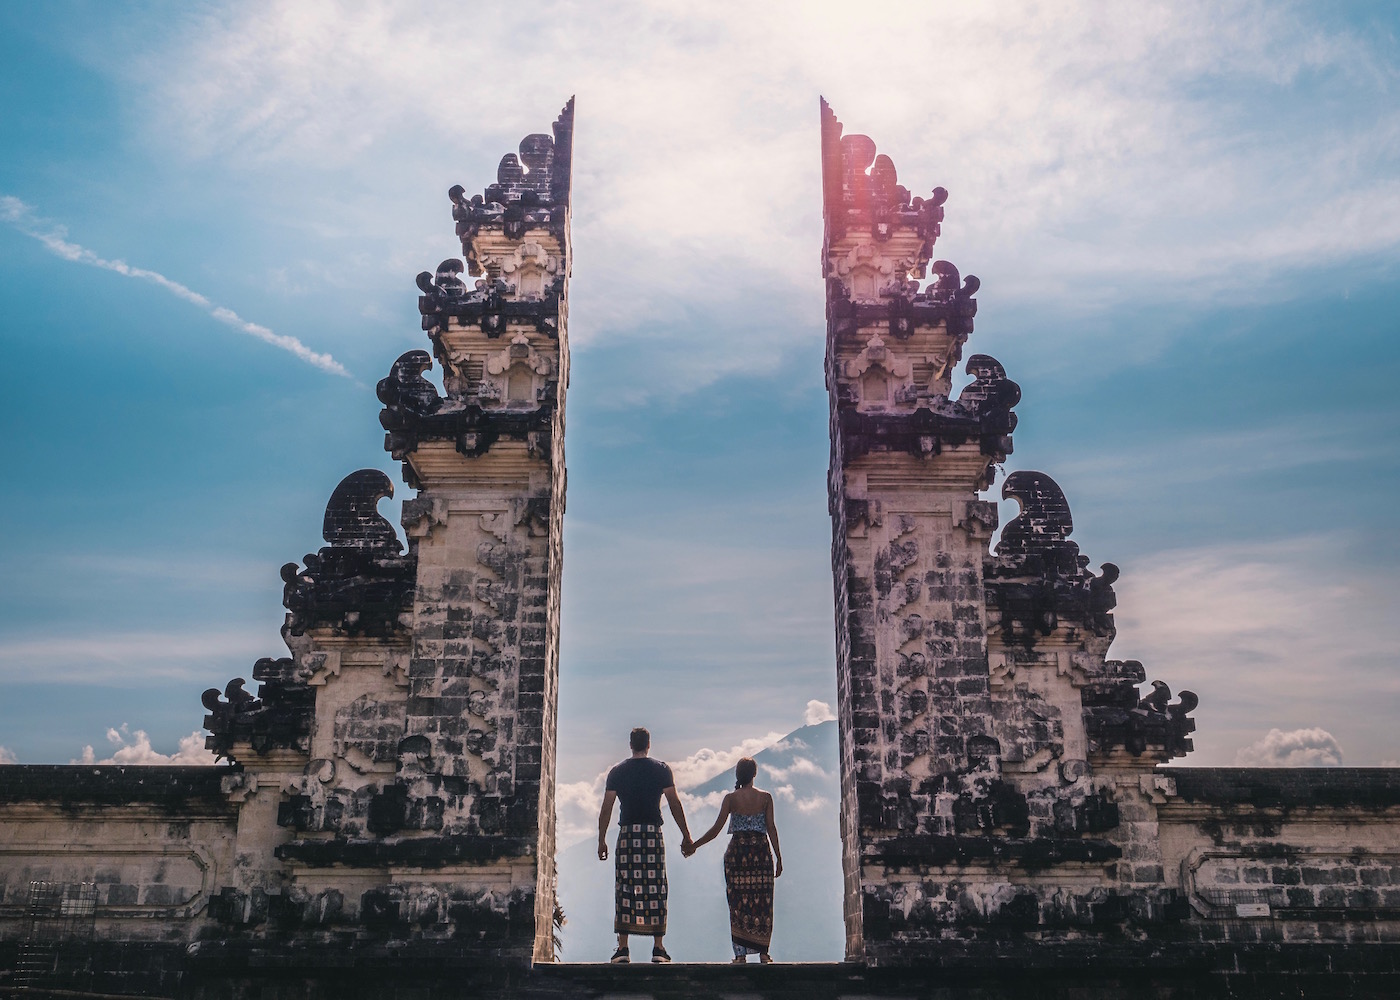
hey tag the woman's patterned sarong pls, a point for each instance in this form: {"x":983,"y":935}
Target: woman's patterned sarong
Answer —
{"x":641,"y":880}
{"x":748,"y":882}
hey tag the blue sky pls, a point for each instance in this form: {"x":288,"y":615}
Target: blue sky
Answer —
{"x":1186,"y":219}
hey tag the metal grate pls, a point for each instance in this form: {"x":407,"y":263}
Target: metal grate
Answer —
{"x":58,"y":912}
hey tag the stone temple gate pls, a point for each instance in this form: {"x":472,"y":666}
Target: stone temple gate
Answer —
{"x":383,"y":824}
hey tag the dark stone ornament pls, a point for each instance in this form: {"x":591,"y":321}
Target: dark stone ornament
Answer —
{"x":361,"y":583}
{"x":279,"y":718}
{"x":1037,"y":579}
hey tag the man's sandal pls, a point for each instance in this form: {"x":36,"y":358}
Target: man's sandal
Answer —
{"x":659,"y":956}
{"x":620,"y":957}
{"x":765,"y":959}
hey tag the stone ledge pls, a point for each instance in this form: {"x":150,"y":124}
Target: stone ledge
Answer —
{"x":1177,"y":973}
{"x":1374,"y":787}
{"x":417,"y":852}
{"x":934,"y":850}
{"x":114,"y":784}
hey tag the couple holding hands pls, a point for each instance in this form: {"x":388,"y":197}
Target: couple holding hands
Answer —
{"x":639,"y":783}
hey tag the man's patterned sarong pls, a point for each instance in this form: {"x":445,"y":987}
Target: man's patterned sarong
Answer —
{"x":641,"y":880}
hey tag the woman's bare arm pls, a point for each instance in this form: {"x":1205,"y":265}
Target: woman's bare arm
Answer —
{"x":713,"y":832}
{"x":773,"y":836}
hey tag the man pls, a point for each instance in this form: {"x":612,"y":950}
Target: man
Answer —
{"x":640,"y":904}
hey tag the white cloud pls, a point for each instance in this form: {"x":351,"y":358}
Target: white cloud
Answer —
{"x":577,"y":802}
{"x":1299,"y":748}
{"x":710,"y":800}
{"x":7,"y":756}
{"x":1095,"y":153}
{"x":817,"y":713}
{"x":576,"y":805}
{"x":800,"y":766}
{"x":22,"y":217}
{"x":813,"y":804}
{"x":135,"y":748}
{"x":705,"y":763}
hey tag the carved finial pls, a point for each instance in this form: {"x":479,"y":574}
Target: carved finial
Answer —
{"x":862,"y":194}
{"x":1044,"y":518}
{"x":531,"y":191}
{"x":991,"y":392}
{"x":352,"y":515}
{"x":406,"y":389}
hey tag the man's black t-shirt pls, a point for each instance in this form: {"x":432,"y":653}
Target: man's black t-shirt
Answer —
{"x":639,"y":782}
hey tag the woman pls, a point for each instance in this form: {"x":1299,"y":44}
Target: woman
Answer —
{"x":748,"y":863}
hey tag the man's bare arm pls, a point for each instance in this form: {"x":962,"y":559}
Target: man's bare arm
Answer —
{"x":604,"y":818}
{"x":674,"y":801}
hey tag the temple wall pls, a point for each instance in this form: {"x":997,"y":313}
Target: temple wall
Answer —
{"x":153,"y":845}
{"x":1284,"y":854}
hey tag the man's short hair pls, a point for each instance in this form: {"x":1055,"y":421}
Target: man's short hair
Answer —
{"x":640,"y":739}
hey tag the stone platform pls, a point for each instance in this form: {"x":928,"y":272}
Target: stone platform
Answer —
{"x":1313,"y":971}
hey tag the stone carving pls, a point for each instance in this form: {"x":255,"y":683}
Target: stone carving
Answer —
{"x":359,"y":584}
{"x":413,"y":413}
{"x":406,"y":392}
{"x":873,"y":201}
{"x":1037,"y":579}
{"x":1114,"y":716}
{"x":492,"y":303}
{"x":985,"y":418}
{"x":531,"y":190}
{"x":279,"y":718}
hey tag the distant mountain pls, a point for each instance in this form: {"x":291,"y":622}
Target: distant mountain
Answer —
{"x":802,"y":772}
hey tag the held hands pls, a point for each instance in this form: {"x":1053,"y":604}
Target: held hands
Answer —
{"x":687,"y":846}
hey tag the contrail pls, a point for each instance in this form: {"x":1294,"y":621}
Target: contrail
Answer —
{"x":22,"y":217}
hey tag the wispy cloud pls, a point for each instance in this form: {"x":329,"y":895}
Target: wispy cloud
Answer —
{"x":1095,"y":155}
{"x":135,"y":748}
{"x":23,"y":218}
{"x":7,"y":756}
{"x":1271,"y":633}
{"x":800,"y":766}
{"x":808,"y":804}
{"x":1299,"y":748}
{"x":125,"y":656}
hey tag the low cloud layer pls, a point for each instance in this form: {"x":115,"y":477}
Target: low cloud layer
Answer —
{"x":130,"y":747}
{"x":1298,"y":748}
{"x":578,"y":802}
{"x":23,"y":218}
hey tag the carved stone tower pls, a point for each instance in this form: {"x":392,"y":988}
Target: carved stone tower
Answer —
{"x":488,"y":462}
{"x":408,"y":743}
{"x":974,"y":698}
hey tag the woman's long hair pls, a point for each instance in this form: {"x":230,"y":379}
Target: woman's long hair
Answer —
{"x":744,"y":772}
